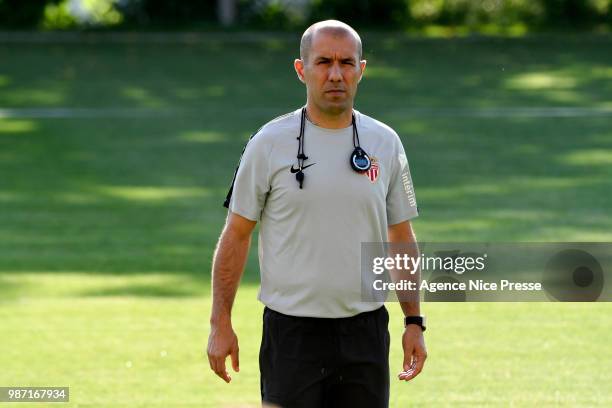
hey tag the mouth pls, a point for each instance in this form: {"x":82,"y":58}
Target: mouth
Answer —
{"x":335,"y":91}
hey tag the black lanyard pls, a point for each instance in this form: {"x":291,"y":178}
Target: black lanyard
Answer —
{"x":359,"y":160}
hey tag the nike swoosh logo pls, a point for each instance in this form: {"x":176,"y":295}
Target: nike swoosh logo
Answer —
{"x":303,"y":168}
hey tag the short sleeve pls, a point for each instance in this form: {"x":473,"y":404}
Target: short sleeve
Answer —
{"x":401,"y":199}
{"x":251,"y":183}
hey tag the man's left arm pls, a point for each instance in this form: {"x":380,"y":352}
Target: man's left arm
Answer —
{"x":402,"y":236}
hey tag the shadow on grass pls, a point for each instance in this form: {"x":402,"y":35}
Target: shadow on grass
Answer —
{"x":144,"y":291}
{"x":133,"y":195}
{"x":9,"y":289}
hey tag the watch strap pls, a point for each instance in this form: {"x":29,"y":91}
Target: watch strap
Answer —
{"x":418,"y":320}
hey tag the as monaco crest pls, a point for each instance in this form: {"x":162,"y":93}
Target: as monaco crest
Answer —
{"x":374,"y":170}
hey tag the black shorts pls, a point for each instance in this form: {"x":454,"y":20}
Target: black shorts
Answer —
{"x":318,"y":362}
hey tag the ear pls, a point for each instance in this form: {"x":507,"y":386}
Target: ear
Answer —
{"x":362,"y":66}
{"x":298,"y":64}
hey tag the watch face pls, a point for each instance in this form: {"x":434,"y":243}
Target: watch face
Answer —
{"x":361,"y":162}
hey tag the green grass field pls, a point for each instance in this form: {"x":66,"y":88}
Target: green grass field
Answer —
{"x":111,"y":192}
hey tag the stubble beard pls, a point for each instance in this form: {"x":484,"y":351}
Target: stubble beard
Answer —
{"x":334,"y":108}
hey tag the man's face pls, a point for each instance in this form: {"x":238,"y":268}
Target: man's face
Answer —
{"x":331,"y":72}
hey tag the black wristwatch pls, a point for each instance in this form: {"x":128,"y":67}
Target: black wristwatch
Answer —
{"x":418,"y":320}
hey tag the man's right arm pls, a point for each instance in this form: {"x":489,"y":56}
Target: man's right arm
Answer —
{"x":228,"y":265}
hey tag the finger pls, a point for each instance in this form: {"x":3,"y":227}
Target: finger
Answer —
{"x":414,"y":370}
{"x":408,"y":361}
{"x":235,"y":359}
{"x":408,"y":370}
{"x":213,"y":364}
{"x":421,"y":355}
{"x":210,"y":362}
{"x":211,"y":359}
{"x":407,"y":375}
{"x":224,"y":375}
{"x":408,"y":355}
{"x":219,"y":368}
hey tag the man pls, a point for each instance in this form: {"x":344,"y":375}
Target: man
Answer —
{"x":323,"y":345}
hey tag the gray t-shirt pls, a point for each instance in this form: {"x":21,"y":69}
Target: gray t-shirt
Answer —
{"x":310,"y":239}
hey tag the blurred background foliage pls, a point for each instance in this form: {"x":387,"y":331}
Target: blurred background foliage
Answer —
{"x":430,"y":16}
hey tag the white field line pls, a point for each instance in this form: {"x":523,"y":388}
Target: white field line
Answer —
{"x":507,"y":112}
{"x":128,"y":113}
{"x":186,"y":38}
{"x":199,"y":37}
{"x":70,"y":113}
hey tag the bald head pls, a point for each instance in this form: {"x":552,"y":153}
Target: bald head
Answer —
{"x":331,"y":27}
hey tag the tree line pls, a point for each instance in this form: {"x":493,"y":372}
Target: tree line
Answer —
{"x":295,"y":14}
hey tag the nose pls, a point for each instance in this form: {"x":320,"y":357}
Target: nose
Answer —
{"x":335,"y":73}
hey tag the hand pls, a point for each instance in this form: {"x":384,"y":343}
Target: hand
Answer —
{"x":221,"y":343}
{"x":414,"y":352}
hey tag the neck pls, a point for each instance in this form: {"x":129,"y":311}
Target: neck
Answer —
{"x":330,"y":121}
